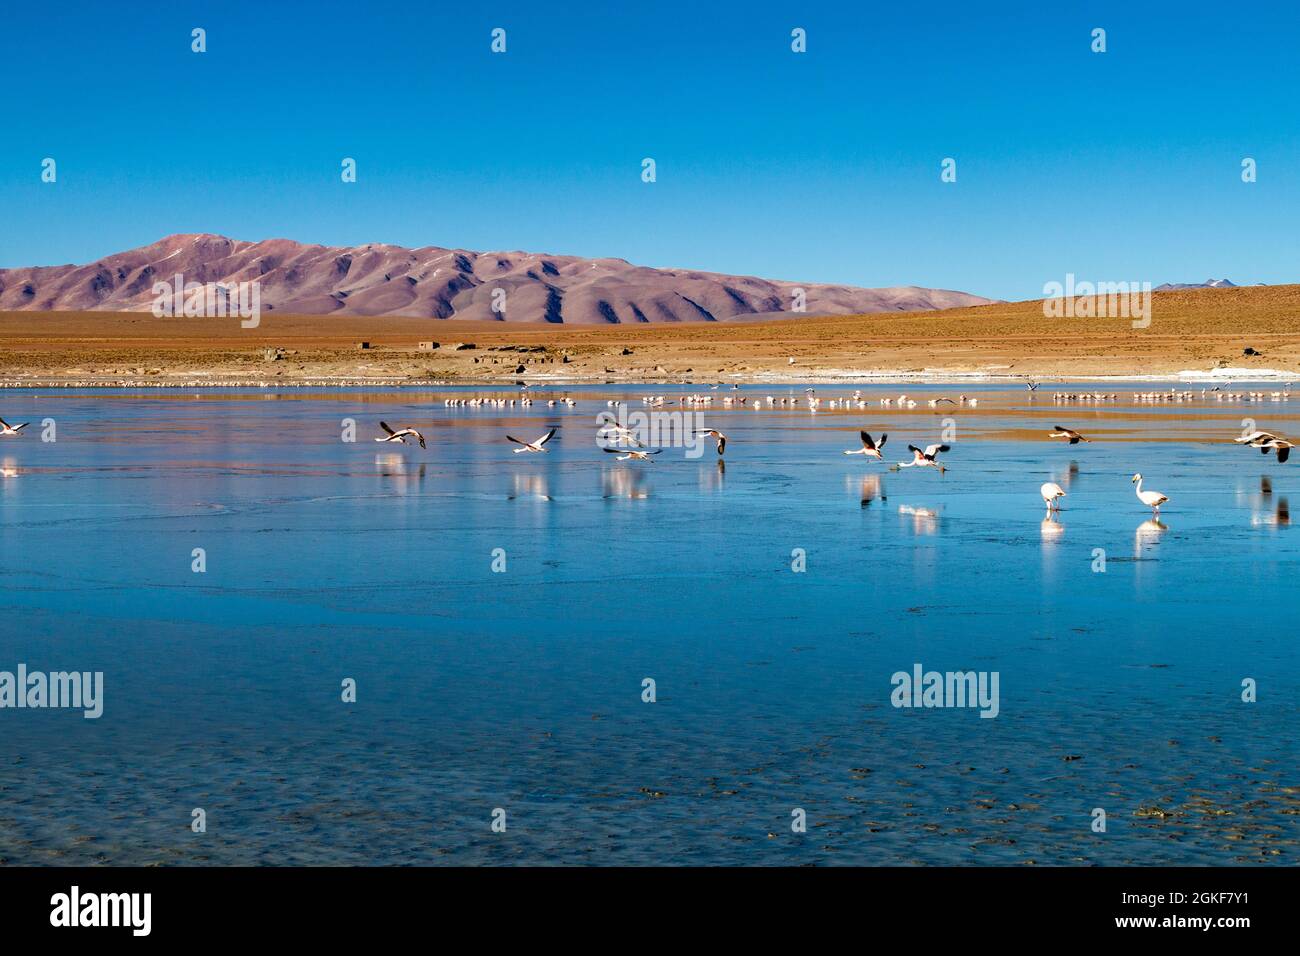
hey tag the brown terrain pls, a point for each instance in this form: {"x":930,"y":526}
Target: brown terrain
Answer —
{"x":1197,"y":329}
{"x":378,"y":279}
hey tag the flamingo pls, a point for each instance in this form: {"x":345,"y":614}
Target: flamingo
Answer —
{"x":869,"y":447}
{"x":1070,"y":433}
{"x":1051,"y":493}
{"x":1267,"y":442}
{"x":625,"y":454}
{"x":1152,"y":499}
{"x":620,"y":433}
{"x":715,"y":434}
{"x":1280,"y":445}
{"x":927,"y":458}
{"x":537,"y":445}
{"x":400,"y":436}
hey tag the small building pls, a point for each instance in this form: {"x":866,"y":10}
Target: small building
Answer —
{"x":428,"y":346}
{"x":363,"y":345}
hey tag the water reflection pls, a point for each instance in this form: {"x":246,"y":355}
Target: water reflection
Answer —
{"x":712,"y":479}
{"x":1148,"y":535}
{"x":1067,"y":478}
{"x":397,"y":467}
{"x":871,"y":488}
{"x":528,"y":486}
{"x":624,"y":483}
{"x":1265,"y":511}
{"x":924,"y":520}
{"x":1051,"y":528}
{"x":1278,"y":516}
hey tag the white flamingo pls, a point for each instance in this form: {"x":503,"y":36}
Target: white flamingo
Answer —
{"x":400,"y":436}
{"x":620,"y":433}
{"x":535,"y":445}
{"x":927,"y":458}
{"x":625,"y":454}
{"x":869,"y":447}
{"x":1267,"y":442}
{"x":1152,"y":499}
{"x":715,"y":434}
{"x":1051,"y":493}
{"x":1280,"y":445}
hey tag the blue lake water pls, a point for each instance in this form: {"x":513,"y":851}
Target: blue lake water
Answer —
{"x":522,"y":690}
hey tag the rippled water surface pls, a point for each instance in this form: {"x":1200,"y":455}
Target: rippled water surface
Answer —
{"x":522,"y":690}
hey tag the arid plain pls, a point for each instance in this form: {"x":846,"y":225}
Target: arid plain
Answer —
{"x":1192,"y":330}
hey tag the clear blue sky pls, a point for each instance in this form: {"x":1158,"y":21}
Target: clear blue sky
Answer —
{"x":815,"y":167}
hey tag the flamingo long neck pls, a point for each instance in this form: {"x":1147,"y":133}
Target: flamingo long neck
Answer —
{"x":1139,"y":487}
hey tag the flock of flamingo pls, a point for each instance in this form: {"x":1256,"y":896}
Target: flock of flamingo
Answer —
{"x":630,"y":448}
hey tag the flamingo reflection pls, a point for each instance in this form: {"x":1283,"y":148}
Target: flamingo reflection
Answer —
{"x":397,"y":467}
{"x":924,"y":520}
{"x":624,"y":483}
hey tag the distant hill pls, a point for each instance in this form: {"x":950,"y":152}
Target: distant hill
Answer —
{"x":1207,"y":284}
{"x":431,"y":282}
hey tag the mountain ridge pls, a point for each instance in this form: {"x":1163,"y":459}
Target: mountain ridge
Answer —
{"x":378,"y":279}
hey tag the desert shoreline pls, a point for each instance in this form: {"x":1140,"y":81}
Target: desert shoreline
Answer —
{"x":1198,"y":379}
{"x":1198,"y":335}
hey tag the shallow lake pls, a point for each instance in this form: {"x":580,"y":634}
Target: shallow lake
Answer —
{"x":500,"y":614}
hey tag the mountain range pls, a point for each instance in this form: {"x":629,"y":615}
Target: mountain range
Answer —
{"x":379,"y":279}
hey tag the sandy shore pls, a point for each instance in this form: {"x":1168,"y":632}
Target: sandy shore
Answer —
{"x":1193,"y":333}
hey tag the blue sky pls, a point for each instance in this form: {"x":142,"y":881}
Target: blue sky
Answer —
{"x":818,"y":167}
